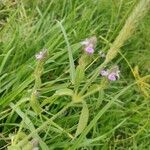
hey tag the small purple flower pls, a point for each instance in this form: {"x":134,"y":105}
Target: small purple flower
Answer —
{"x":112,"y":74}
{"x":89,"y":44}
{"x":104,"y":73}
{"x":41,"y":55}
{"x":89,"y":50}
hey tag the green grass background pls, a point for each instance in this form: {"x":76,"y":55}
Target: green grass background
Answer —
{"x":26,"y":27}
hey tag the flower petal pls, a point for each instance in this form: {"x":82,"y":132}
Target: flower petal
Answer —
{"x":89,"y":50}
{"x":104,"y":73}
{"x":112,"y":77}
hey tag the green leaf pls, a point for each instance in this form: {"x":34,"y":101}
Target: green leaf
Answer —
{"x":80,"y":74}
{"x":65,"y":91}
{"x":83,"y":119}
{"x":71,"y":61}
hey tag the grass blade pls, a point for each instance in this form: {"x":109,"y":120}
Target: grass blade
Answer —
{"x":71,"y":61}
{"x":5,"y":59}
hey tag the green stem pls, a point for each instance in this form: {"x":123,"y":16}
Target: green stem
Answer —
{"x":86,"y":86}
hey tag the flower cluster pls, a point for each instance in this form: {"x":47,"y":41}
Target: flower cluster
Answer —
{"x":112,"y":74}
{"x":89,"y":44}
{"x":41,"y":55}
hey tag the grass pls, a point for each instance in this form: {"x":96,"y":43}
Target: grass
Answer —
{"x":78,"y":109}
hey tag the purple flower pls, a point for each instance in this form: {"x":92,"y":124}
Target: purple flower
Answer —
{"x":41,"y":55}
{"x":89,"y":44}
{"x":89,"y":50}
{"x":112,"y":74}
{"x":104,"y":73}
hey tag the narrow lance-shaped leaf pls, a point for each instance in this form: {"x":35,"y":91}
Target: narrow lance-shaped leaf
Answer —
{"x":80,"y":74}
{"x":83,"y":119}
